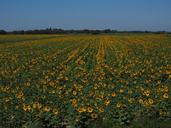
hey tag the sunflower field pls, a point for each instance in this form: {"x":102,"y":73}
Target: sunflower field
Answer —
{"x":85,"y":81}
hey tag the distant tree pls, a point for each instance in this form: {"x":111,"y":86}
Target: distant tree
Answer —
{"x":2,"y":32}
{"x":95,"y":32}
{"x":84,"y":31}
{"x":107,"y":31}
{"x":160,"y":32}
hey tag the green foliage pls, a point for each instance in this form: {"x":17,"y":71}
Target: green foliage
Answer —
{"x":85,"y":81}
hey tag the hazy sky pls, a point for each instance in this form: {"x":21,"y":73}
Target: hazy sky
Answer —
{"x":81,"y":14}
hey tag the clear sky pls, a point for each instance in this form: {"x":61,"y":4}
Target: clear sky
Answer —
{"x":86,"y":14}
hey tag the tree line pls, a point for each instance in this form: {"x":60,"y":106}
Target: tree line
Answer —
{"x":84,"y":31}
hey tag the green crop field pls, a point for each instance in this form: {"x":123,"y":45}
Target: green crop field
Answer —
{"x":80,"y":81}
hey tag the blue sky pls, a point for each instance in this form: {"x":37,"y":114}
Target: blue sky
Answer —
{"x":86,"y":14}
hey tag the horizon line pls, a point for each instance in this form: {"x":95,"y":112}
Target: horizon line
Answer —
{"x":81,"y":29}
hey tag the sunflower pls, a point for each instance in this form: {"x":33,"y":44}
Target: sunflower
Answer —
{"x":150,"y":101}
{"x":90,"y":109}
{"x":55,"y":111}
{"x":121,"y":90}
{"x":146,"y":92}
{"x":51,"y":83}
{"x":94,"y":115}
{"x":101,"y":109}
{"x":74,"y":102}
{"x":74,"y":93}
{"x":107,"y":102}
{"x":165,"y":95}
{"x":118,"y":105}
{"x":113,"y":94}
{"x":27,"y":108}
{"x":141,"y":101}
{"x":46,"y":108}
{"x":80,"y":110}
